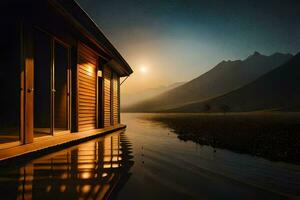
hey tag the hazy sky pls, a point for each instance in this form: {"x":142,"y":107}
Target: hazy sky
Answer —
{"x":167,"y":41}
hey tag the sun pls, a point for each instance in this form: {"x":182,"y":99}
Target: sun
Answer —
{"x":144,"y":70}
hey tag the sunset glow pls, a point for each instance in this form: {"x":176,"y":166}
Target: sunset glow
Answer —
{"x":144,"y":70}
{"x":150,"y":99}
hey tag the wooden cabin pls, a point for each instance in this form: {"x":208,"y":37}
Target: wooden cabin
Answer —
{"x":59,"y":75}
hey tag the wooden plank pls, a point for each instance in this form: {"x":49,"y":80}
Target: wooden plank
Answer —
{"x":86,"y":128}
{"x":85,"y":71}
{"x":87,"y":76}
{"x":86,"y":108}
{"x":84,"y":77}
{"x":86,"y":85}
{"x":88,"y":118}
{"x":87,"y":68}
{"x":90,"y":125}
{"x":86,"y":88}
{"x":86,"y":101}
{"x":87,"y":94}
{"x":86,"y":91}
{"x":86,"y":122}
{"x":87,"y":57}
{"x":92,"y":113}
{"x":83,"y":115}
{"x":87,"y":105}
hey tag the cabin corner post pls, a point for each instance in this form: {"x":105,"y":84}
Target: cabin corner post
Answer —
{"x":28,"y":77}
{"x":100,"y":88}
{"x":73,"y":89}
{"x":52,"y":87}
{"x":69,"y":92}
{"x":97,"y":94}
{"x":22,"y":85}
{"x":119,"y":100}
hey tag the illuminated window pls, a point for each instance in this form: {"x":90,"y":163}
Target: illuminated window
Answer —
{"x":99,"y":73}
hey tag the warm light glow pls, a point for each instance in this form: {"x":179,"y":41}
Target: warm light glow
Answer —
{"x":63,"y":188}
{"x":114,"y":165}
{"x":49,"y":187}
{"x":86,"y":175}
{"x":90,"y":69}
{"x":144,"y":70}
{"x":86,"y":188}
{"x":107,"y":166}
{"x":99,"y":73}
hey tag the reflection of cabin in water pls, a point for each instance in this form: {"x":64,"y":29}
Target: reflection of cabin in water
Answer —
{"x":59,"y":76}
{"x":91,"y":170}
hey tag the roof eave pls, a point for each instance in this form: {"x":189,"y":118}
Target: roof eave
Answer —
{"x":93,"y":30}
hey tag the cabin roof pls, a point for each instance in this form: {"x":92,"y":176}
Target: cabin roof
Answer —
{"x":76,"y":12}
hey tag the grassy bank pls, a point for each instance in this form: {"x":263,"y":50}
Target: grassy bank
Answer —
{"x":275,"y":136}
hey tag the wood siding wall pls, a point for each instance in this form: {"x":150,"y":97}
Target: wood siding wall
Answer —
{"x":115,"y":102}
{"x":107,"y":96}
{"x":87,"y":81}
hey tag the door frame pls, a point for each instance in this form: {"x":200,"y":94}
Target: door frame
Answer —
{"x":27,"y":83}
{"x":53,"y":89}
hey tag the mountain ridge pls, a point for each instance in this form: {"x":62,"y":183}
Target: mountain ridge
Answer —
{"x":276,"y":90}
{"x":226,"y":76}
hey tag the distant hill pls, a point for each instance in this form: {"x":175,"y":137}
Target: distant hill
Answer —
{"x":223,"y":78}
{"x":129,"y":99}
{"x":278,"y":90}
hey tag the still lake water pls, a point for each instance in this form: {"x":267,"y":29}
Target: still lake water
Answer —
{"x":148,"y":161}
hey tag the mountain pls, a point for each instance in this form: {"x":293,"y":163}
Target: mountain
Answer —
{"x":276,"y":90}
{"x":223,"y":78}
{"x":133,"y":98}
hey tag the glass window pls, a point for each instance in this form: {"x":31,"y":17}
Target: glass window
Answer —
{"x":9,"y":83}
